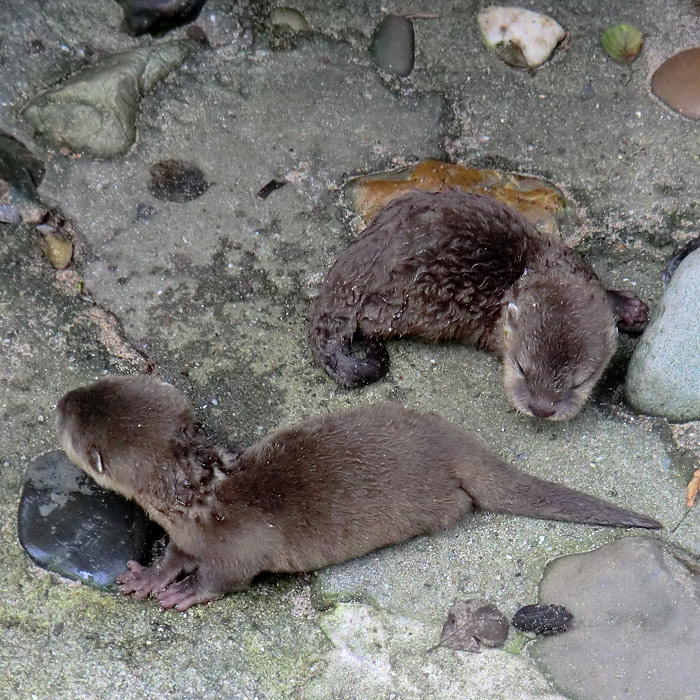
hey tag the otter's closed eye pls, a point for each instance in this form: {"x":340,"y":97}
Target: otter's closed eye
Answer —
{"x":578,"y":385}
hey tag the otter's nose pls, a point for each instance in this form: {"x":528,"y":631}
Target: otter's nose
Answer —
{"x":542,"y":409}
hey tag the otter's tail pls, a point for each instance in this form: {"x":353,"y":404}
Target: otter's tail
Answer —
{"x":507,"y":490}
{"x":331,"y":340}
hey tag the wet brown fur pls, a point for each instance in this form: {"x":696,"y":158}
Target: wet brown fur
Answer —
{"x":318,"y":493}
{"x":458,"y":266}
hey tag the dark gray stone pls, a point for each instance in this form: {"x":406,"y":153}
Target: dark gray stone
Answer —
{"x":19,"y":167}
{"x":635,"y":632}
{"x":393,"y":45}
{"x":176,"y":181}
{"x":158,"y":16}
{"x":663,"y":378}
{"x":70,"y":525}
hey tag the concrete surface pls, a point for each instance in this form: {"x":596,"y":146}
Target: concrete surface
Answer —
{"x":215,"y":292}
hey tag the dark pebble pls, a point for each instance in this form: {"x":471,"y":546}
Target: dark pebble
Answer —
{"x":392,"y":45}
{"x":145,"y":211}
{"x":70,"y":525}
{"x":270,"y":187}
{"x":158,"y":16}
{"x":176,"y":181}
{"x":19,"y":166}
{"x":542,"y":619}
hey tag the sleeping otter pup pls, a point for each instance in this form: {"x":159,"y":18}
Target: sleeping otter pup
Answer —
{"x":457,"y":266}
{"x":310,"y":495}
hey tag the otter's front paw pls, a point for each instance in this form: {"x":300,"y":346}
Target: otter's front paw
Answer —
{"x":142,"y":581}
{"x":631,"y":313}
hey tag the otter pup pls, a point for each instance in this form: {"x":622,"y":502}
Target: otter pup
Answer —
{"x":456,"y":266}
{"x":319,"y":493}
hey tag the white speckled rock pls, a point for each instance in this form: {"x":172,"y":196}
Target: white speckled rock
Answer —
{"x":663,"y":378}
{"x":520,"y":37}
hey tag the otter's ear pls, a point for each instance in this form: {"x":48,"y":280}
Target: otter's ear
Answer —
{"x":96,"y":461}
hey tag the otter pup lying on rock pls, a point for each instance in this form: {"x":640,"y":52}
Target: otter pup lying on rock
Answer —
{"x":319,"y":493}
{"x":457,"y":266}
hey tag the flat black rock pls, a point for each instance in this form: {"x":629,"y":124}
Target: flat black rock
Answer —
{"x":70,"y":525}
{"x":158,"y":16}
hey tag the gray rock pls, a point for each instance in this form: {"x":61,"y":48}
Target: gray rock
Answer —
{"x":634,"y":634}
{"x":94,"y":111}
{"x":392,"y":45}
{"x":664,"y":373}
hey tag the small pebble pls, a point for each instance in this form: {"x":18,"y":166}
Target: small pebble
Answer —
{"x":145,"y":211}
{"x":393,"y":43}
{"x":9,"y":214}
{"x":270,"y":187}
{"x":176,"y":181}
{"x":289,"y":18}
{"x":58,"y":250}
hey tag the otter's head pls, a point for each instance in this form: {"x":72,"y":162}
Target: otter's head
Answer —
{"x":559,"y":336}
{"x":119,"y":429}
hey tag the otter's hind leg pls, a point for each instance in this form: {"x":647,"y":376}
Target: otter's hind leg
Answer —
{"x":331,"y":340}
{"x":631,"y":313}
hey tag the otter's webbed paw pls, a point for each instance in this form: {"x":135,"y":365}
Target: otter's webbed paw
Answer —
{"x":186,"y":593}
{"x":142,"y":581}
{"x":631,"y":313}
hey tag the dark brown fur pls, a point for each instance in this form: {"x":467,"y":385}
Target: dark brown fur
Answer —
{"x":314,"y":494}
{"x":458,"y":266}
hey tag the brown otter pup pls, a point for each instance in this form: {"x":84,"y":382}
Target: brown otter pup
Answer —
{"x":310,"y":495}
{"x":457,"y":266}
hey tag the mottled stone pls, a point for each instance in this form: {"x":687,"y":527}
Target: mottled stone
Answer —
{"x":663,"y":377}
{"x":158,"y":16}
{"x":537,"y":200}
{"x":94,"y":111}
{"x":70,"y":525}
{"x":392,"y":45}
{"x":635,"y":632}
{"x":677,"y":83}
{"x":521,"y":38}
{"x":542,"y":619}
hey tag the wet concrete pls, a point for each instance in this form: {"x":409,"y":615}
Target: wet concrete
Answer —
{"x":215,"y":292}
